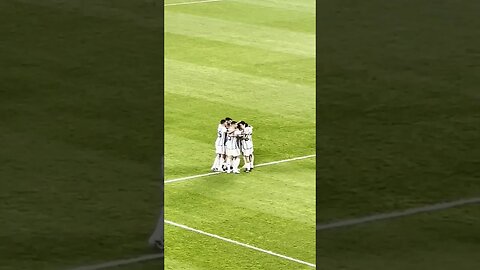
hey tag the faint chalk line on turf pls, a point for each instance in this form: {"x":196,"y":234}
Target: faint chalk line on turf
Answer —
{"x":240,"y":244}
{"x":214,"y":173}
{"x":192,"y":2}
{"x":118,"y":263}
{"x":397,"y":214}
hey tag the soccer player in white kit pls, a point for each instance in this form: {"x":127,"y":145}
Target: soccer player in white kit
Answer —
{"x":247,"y":145}
{"x":220,"y":146}
{"x":233,"y":149}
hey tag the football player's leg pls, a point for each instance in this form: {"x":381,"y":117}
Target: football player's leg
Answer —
{"x":236,"y":163}
{"x":215,"y":163}
{"x":220,"y":162}
{"x":248,"y":159}
{"x":219,"y":151}
{"x":229,"y":163}
{"x":224,"y":161}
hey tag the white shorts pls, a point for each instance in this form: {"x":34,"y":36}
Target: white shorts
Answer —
{"x":233,"y":153}
{"x":247,"y":152}
{"x":220,"y":149}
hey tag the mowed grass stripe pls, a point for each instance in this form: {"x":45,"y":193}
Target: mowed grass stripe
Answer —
{"x":442,"y":240}
{"x":307,"y":6}
{"x":54,"y":193}
{"x":223,"y":187}
{"x":79,"y":112}
{"x":177,"y":163}
{"x":263,"y":94}
{"x":249,"y":60}
{"x":184,"y":252}
{"x":219,"y":66}
{"x":263,"y":37}
{"x":181,"y":179}
{"x":192,"y":152}
{"x":231,"y":241}
{"x":191,"y":2}
{"x":86,"y":95}
{"x":180,"y":164}
{"x":107,"y":11}
{"x":259,"y":203}
{"x":255,"y":14}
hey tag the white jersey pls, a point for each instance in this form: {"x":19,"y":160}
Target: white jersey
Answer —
{"x":232,"y":140}
{"x":247,"y":142}
{"x":221,"y":135}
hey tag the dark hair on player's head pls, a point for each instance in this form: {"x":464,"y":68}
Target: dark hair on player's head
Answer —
{"x":245,"y":124}
{"x":223,"y":121}
{"x":234,"y":122}
{"x":228,"y":118}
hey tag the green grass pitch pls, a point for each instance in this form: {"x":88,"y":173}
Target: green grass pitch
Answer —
{"x":399,"y":127}
{"x":250,"y":61}
{"x":80,"y":139}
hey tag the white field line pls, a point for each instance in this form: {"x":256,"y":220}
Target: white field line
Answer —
{"x":397,"y":214}
{"x":118,"y":263}
{"x":192,"y":2}
{"x":240,"y":244}
{"x":213,"y":173}
{"x":333,"y":225}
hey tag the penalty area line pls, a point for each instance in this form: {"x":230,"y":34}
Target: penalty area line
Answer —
{"x":192,"y":2}
{"x":214,"y":173}
{"x":240,"y":244}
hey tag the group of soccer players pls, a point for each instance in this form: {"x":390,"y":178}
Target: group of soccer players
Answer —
{"x":233,"y":140}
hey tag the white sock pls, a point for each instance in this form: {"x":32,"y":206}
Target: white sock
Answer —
{"x":224,"y":163}
{"x":228,"y":165}
{"x":220,"y":163}
{"x":236,"y":163}
{"x":214,"y":166}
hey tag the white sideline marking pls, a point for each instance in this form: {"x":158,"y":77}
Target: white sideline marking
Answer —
{"x":240,"y":244}
{"x":334,"y":225}
{"x":259,"y":165}
{"x":397,"y":214}
{"x":193,"y":2}
{"x":120,"y":262}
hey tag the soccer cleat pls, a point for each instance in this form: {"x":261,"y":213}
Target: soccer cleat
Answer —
{"x":236,"y":172}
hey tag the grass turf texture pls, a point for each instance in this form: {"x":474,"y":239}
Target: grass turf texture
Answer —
{"x":251,"y":62}
{"x":399,"y":127}
{"x":80,"y":133}
{"x":442,"y":240}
